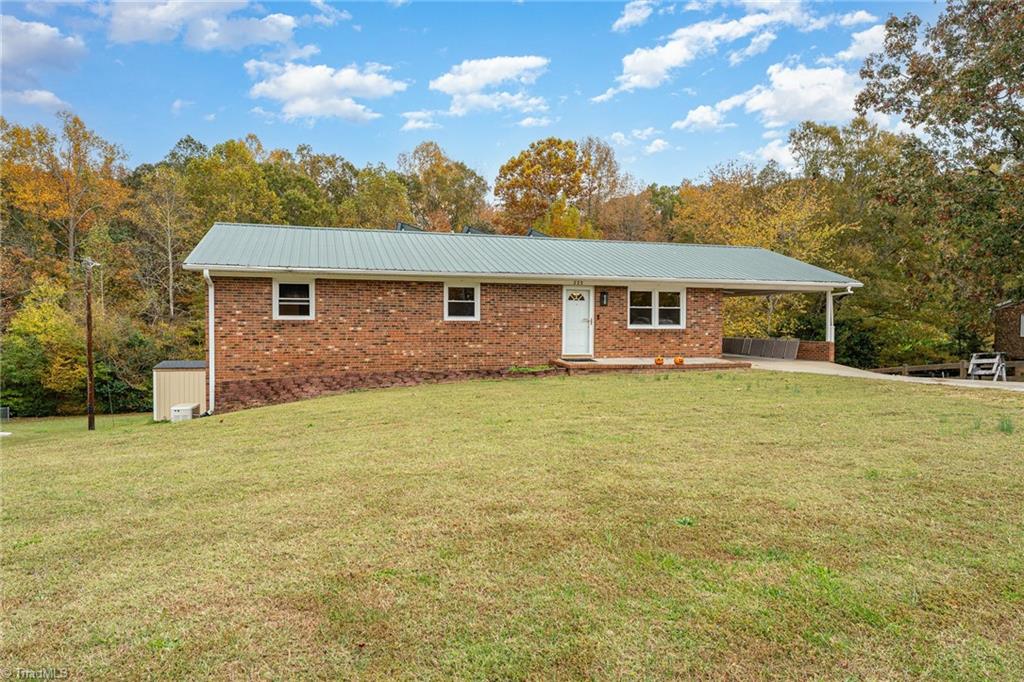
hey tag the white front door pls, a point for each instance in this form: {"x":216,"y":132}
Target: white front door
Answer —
{"x":577,"y":321}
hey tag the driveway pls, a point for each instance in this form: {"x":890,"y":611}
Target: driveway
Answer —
{"x":830,"y":368}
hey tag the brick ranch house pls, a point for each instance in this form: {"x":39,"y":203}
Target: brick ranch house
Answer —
{"x":298,"y":311}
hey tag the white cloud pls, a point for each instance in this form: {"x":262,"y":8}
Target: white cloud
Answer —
{"x":793,"y":93}
{"x":474,"y":75}
{"x":635,"y":13}
{"x":779,"y":152}
{"x":210,"y":117}
{"x":644,"y":133}
{"x":798,"y":93}
{"x":29,"y":46}
{"x":419,"y":120}
{"x":649,"y":67}
{"x":179,"y":105}
{"x":620,"y":139}
{"x":233,"y":34}
{"x":703,"y":117}
{"x":495,"y":101}
{"x":207,"y":25}
{"x":858,"y":17}
{"x":864,"y":43}
{"x":329,"y":15}
{"x":44,"y":99}
{"x":316,"y":91}
{"x":656,"y":145}
{"x":757,"y":45}
{"x":292,"y":53}
{"x":477,"y":85}
{"x":535,"y":122}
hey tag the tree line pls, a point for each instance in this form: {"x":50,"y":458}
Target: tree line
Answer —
{"x":931,"y":222}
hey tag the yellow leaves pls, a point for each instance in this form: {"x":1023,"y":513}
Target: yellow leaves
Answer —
{"x":737,"y":208}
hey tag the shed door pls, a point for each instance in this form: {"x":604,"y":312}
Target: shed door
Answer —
{"x":577,"y":321}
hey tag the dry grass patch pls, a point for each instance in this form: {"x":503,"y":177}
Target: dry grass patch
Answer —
{"x":742,"y":525}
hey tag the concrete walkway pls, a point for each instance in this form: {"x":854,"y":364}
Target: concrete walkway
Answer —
{"x":830,"y":368}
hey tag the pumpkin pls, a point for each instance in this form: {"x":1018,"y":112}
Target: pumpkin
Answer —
{"x":659,"y":360}
{"x":678,"y":360}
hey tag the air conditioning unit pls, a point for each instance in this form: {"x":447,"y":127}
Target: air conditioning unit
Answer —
{"x":184,"y":411}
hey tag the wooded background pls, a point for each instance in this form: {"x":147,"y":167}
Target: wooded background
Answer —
{"x":930,"y":221}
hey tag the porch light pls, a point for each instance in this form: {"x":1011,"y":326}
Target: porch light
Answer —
{"x":604,"y":298}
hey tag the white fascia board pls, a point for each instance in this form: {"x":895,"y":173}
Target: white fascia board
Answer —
{"x":245,"y":271}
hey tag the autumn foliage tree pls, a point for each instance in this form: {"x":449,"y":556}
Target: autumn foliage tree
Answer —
{"x":70,"y":180}
{"x":445,"y":194}
{"x":530,"y":182}
{"x":742,"y":206}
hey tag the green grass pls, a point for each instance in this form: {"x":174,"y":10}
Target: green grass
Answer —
{"x":729,"y":525}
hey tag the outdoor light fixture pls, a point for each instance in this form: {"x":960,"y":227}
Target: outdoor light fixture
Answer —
{"x":604,"y":298}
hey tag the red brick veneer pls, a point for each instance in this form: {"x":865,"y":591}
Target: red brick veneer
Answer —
{"x":824,"y":351}
{"x":376,"y":333}
{"x":1008,"y":339}
{"x":701,"y":338}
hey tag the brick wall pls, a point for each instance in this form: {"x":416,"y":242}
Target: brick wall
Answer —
{"x":701,"y":338}
{"x":824,"y":351}
{"x":374,"y":332}
{"x":1008,"y":338}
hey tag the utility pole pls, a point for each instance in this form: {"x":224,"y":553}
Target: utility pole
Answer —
{"x":90,"y":400}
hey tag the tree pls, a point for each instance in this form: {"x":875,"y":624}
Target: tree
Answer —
{"x":332,"y":173}
{"x":602,"y":180}
{"x":229,"y":185}
{"x":185,"y":150}
{"x":741,"y":206}
{"x":630,"y":217}
{"x":165,"y":219}
{"x":72,"y":180}
{"x":381,"y":199}
{"x":963,"y":83}
{"x":563,"y":220}
{"x":528,"y":183}
{"x":445,"y":194}
{"x":44,"y":355}
{"x":880,"y":180}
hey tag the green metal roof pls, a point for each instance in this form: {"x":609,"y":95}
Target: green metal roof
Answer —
{"x":230,"y":246}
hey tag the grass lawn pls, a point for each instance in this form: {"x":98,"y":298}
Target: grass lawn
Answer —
{"x":740,"y":525}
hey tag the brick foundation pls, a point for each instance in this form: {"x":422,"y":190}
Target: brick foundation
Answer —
{"x":824,"y":351}
{"x":370,"y":333}
{"x":245,"y":393}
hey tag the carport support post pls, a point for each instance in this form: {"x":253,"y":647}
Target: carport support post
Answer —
{"x":830,"y":327}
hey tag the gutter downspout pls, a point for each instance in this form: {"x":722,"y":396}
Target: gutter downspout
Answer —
{"x":211,"y":354}
{"x":830,"y":327}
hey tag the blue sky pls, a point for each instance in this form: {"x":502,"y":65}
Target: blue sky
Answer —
{"x":675,"y":87}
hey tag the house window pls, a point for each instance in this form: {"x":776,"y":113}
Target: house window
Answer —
{"x":293,"y":300}
{"x":657,"y":308}
{"x":461,"y":301}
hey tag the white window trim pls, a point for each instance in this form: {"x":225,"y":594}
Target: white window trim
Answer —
{"x":654,"y":308}
{"x":1022,"y":325}
{"x":476,"y":301}
{"x":312,"y":297}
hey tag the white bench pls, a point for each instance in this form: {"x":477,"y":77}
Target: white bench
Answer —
{"x":987,"y":365}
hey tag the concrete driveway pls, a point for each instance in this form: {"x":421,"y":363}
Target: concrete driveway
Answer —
{"x":832,"y":369}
